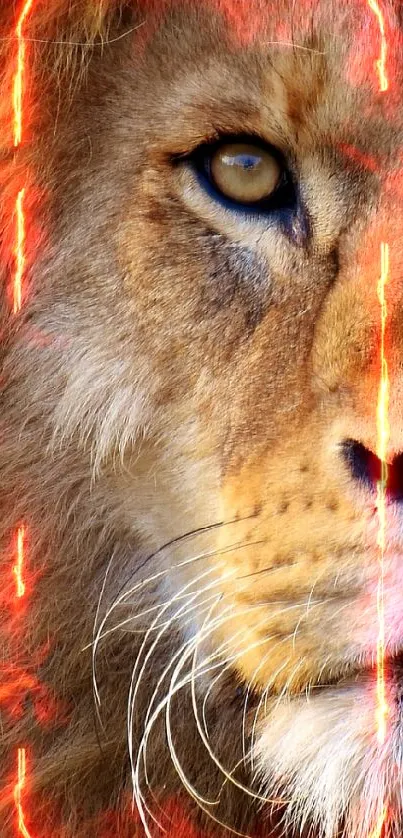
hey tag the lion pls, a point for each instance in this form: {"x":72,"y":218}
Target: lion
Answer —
{"x":189,"y":430}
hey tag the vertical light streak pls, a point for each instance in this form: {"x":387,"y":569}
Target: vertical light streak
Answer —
{"x":18,"y":101}
{"x":382,"y":423}
{"x":377,"y":832}
{"x":18,"y":86}
{"x":19,"y":565}
{"x":382,"y":447}
{"x":382,"y":60}
{"x":19,"y":252}
{"x":20,"y":260}
{"x":18,"y":793}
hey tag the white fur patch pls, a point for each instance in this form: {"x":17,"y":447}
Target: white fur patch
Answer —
{"x":321,"y":755}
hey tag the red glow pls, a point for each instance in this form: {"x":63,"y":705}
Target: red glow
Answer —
{"x":366,"y":161}
{"x":18,"y":793}
{"x":18,"y":684}
{"x":19,"y":565}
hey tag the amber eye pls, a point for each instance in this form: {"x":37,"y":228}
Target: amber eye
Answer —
{"x":244,"y":172}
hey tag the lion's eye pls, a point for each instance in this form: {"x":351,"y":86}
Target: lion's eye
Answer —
{"x":244,"y":172}
{"x":246,"y":175}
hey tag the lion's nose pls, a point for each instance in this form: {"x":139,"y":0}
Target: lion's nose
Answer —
{"x":365,"y":469}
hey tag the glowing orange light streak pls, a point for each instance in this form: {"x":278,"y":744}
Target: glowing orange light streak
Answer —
{"x":19,"y":252}
{"x":20,"y":259}
{"x":380,"y":64}
{"x":383,"y":432}
{"x":18,"y":95}
{"x":377,"y":832}
{"x":18,"y":792}
{"x":18,"y":87}
{"x":382,"y":446}
{"x":19,"y":565}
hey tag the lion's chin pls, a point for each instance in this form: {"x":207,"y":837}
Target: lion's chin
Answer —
{"x":321,"y":756}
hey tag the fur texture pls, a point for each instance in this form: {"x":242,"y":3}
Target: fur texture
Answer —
{"x":200,"y":621}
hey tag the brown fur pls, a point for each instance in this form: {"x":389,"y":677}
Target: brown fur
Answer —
{"x":177,"y":383}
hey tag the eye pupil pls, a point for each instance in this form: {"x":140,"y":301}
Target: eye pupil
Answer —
{"x":244,"y":172}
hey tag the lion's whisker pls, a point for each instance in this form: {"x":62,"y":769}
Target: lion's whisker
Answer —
{"x":135,"y":686}
{"x":179,"y":540}
{"x":225,"y":669}
{"x":247,"y":695}
{"x":263,"y":700}
{"x":173,"y":689}
{"x":140,"y":585}
{"x":227,"y":774}
{"x":177,"y":655}
{"x":150,"y":720}
{"x":97,"y":699}
{"x":159,"y":575}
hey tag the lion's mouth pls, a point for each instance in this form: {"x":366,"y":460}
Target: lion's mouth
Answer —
{"x":313,"y":747}
{"x":363,"y":673}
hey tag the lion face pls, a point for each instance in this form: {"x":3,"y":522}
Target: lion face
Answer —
{"x":209,"y":297}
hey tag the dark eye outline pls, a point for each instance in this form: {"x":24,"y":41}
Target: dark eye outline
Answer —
{"x":283,"y":200}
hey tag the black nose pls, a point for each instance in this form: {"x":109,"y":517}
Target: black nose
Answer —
{"x":365,"y":468}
